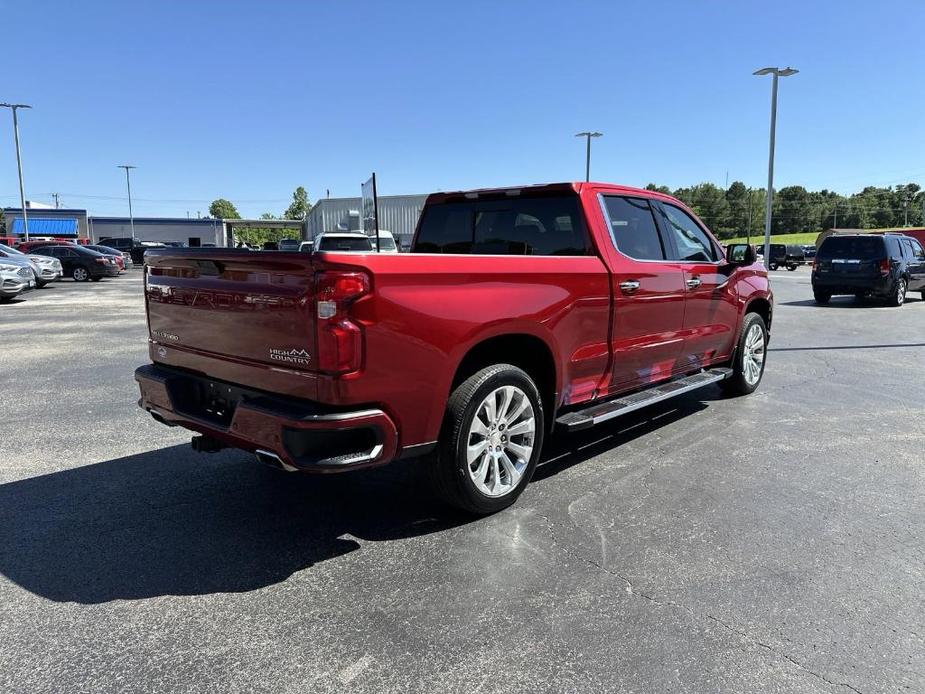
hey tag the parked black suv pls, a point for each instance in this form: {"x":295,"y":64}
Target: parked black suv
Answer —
{"x":789,"y":255}
{"x":81,"y":263}
{"x":869,"y":265}
{"x":126,"y":244}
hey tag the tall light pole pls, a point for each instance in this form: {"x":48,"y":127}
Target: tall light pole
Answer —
{"x":588,"y":135}
{"x":775,"y":72}
{"x":128,"y":186}
{"x":22,"y":193}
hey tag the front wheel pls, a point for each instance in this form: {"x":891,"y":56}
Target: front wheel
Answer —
{"x":80,"y":274}
{"x":491,"y":440}
{"x":748,"y":362}
{"x":791,"y":268}
{"x":773,"y":266}
{"x":821,"y":297}
{"x":898,"y":297}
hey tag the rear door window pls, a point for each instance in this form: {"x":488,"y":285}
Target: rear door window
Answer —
{"x":550,"y":225}
{"x":633,"y":228}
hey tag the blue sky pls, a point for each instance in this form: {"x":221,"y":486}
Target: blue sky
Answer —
{"x":248,"y":100}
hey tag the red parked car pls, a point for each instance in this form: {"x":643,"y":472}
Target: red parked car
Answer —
{"x":518,"y":312}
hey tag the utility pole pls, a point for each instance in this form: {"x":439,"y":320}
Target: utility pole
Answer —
{"x":748,"y":229}
{"x":128,"y":186}
{"x":22,"y":194}
{"x":55,"y":196}
{"x":588,"y":135}
{"x":776,"y":72}
{"x":835,"y":221}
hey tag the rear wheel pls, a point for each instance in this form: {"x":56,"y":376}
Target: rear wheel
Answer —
{"x":748,"y":363}
{"x":491,"y":440}
{"x":821,"y":297}
{"x":80,"y":274}
{"x":898,"y":297}
{"x":791,"y":268}
{"x":773,"y":266}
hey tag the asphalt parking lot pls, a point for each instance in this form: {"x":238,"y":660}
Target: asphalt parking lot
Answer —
{"x":772,"y":543}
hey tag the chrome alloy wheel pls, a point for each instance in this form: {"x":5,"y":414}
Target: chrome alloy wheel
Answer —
{"x":753,"y":356}
{"x":80,"y":274}
{"x":500,"y":442}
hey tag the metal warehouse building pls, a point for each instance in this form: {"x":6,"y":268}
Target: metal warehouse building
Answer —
{"x":192,"y":232}
{"x":397,"y":213}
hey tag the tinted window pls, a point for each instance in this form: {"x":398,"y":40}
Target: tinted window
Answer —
{"x":344,"y":244}
{"x":633,"y":229}
{"x":851,"y":247}
{"x":917,"y":251}
{"x":512,"y":226}
{"x":691,"y":241}
{"x":386,"y":244}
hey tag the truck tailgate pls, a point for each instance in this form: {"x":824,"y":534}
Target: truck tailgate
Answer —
{"x":244,"y":307}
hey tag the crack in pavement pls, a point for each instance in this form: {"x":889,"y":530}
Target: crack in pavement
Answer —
{"x":632,"y":590}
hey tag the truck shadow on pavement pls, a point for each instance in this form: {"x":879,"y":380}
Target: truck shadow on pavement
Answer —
{"x":173,"y":522}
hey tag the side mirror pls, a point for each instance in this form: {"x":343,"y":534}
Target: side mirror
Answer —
{"x":741,"y":254}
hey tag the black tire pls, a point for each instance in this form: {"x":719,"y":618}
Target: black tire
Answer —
{"x":449,"y":470}
{"x":738,"y":383}
{"x":821,"y":297}
{"x":773,"y":266}
{"x":898,"y":297}
{"x":39,"y":284}
{"x":80,"y":274}
{"x":923,"y":295}
{"x":791,"y":268}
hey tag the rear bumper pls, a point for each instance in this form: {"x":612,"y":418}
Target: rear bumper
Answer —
{"x":842,"y":284}
{"x":305,"y":436}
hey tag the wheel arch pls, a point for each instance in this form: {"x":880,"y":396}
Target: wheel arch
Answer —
{"x":523,"y":350}
{"x":763,"y":307}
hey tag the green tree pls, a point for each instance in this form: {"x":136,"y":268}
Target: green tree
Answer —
{"x":658,"y":189}
{"x":736,"y":221}
{"x":795,"y":211}
{"x":223,"y":209}
{"x":300,"y":206}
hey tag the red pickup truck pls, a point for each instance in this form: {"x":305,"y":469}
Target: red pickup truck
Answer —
{"x":518,"y":311}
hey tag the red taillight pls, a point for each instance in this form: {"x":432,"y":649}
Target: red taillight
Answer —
{"x":101,"y":260}
{"x":885,"y":266}
{"x":340,"y":340}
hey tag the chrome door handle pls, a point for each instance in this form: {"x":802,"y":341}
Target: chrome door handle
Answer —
{"x":629,"y":286}
{"x":693,"y":283}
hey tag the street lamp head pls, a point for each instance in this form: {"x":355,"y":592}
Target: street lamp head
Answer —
{"x":15,"y":105}
{"x":125,"y":166}
{"x":780,"y":72}
{"x":589,"y":134}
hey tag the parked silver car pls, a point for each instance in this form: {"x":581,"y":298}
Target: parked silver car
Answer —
{"x":45,"y":269}
{"x":15,"y":278}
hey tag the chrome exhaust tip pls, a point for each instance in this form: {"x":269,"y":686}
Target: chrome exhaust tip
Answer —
{"x":273,"y":460}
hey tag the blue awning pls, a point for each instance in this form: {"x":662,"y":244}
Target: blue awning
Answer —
{"x":44,"y":226}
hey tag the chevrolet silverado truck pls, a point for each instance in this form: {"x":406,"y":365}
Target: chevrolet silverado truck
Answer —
{"x":518,"y":312}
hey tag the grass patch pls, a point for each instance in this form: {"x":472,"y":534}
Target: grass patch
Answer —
{"x":802,"y":238}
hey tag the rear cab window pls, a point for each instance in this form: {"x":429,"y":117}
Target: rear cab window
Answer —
{"x":521,"y":225}
{"x":342,"y":243}
{"x":852,"y":248}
